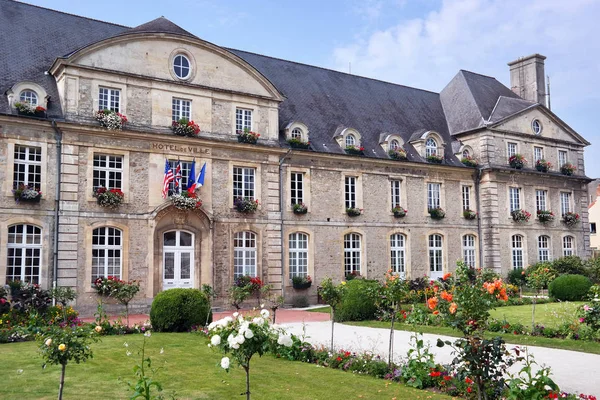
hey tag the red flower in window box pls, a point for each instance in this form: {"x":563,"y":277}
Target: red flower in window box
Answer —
{"x":109,"y":198}
{"x":185,"y":127}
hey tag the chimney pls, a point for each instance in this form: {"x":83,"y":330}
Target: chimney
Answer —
{"x":527,"y":78}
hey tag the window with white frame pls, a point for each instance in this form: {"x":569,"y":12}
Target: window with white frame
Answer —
{"x":538,"y":153}
{"x":466,"y":197}
{"x":186,"y":166}
{"x":244,"y":254}
{"x":24,"y":253}
{"x":296,"y":133}
{"x":29,"y":96}
{"x":27,"y":167}
{"x":433,"y":195}
{"x":398,"y":253}
{"x":430,"y":147}
{"x":297,"y":187}
{"x":514,"y":198}
{"x":568,"y":246}
{"x":562,"y":158}
{"x":181,"y":109}
{"x":107,"y":250}
{"x":543,"y":248}
{"x":298,"y":254}
{"x":181,"y":66}
{"x":350,"y":191}
{"x":466,"y":153}
{"x":394,"y":144}
{"x":517,"y":251}
{"x":540,"y":199}
{"x":350,"y":140}
{"x":352,"y":253}
{"x":593,"y":228}
{"x":435,"y":253}
{"x":565,"y":203}
{"x":243,"y":119}
{"x":109,"y":99}
{"x":511,"y":149}
{"x":108,"y":171}
{"x":468,"y":247}
{"x":244,"y":183}
{"x":395,"y":187}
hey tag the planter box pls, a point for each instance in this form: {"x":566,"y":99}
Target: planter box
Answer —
{"x":301,"y":286}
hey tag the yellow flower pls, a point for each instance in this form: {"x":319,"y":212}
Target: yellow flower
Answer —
{"x":343,"y":282}
{"x":98,"y":328}
{"x":62,"y":347}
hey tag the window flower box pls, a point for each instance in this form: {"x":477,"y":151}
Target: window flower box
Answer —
{"x":571,"y":219}
{"x":299,"y":208}
{"x":437,"y":213}
{"x":301,"y":282}
{"x":399,"y":212}
{"x":27,"y":194}
{"x":545,"y":216}
{"x":110,"y":198}
{"x":543,"y":165}
{"x":247,"y":136}
{"x":184,"y":127}
{"x":298,"y":144}
{"x":517,"y":161}
{"x":111,"y":120}
{"x":469,"y":214}
{"x":521,"y":216}
{"x":353,"y":275}
{"x":435,"y":159}
{"x":353,"y":212}
{"x":567,"y":169}
{"x":355,"y":150}
{"x":30,"y":110}
{"x":186,"y":201}
{"x":469,"y":161}
{"x":397,"y":154}
{"x":245,"y":205}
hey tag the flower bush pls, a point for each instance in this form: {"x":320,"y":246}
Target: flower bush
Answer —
{"x":545,"y":216}
{"x":353,"y":212}
{"x":298,"y":143}
{"x":109,"y":198}
{"x":435,"y":159}
{"x":26,"y":108}
{"x":399,"y":212}
{"x":567,"y":169}
{"x":301,"y":282}
{"x":111,"y":120}
{"x":355,"y":150}
{"x":521,"y":216}
{"x":437,"y":213}
{"x":299,"y":208}
{"x":247,"y":136}
{"x":185,"y":127}
{"x":571,"y":219}
{"x":397,"y":154}
{"x":469,"y":214}
{"x":245,"y":205}
{"x":589,"y":313}
{"x":517,"y":161}
{"x":118,"y":289}
{"x":186,"y":201}
{"x":469,"y":161}
{"x":543,"y":165}
{"x":27,"y":194}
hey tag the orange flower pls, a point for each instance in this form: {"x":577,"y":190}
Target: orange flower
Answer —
{"x":446,"y":276}
{"x":432,"y":303}
{"x":446,"y":296}
{"x":453,"y":308}
{"x":435,"y":289}
{"x":436,"y":312}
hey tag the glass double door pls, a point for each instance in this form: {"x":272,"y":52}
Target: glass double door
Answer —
{"x":178,"y":260}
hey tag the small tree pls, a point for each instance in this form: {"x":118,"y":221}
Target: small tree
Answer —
{"x":125,"y":293}
{"x":539,"y":277}
{"x":332,"y":295}
{"x":63,"y":295}
{"x":210,"y":295}
{"x":237,"y":295}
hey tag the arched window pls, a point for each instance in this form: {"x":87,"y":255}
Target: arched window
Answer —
{"x":298,"y":254}
{"x":394,"y":145}
{"x":107,"y":249}
{"x":398,"y":253}
{"x":244,"y":254}
{"x":536,"y":126}
{"x":181,"y":66}
{"x":24,"y":258}
{"x":543,"y":248}
{"x":430,"y":147}
{"x":466,"y":154}
{"x":517,"y":251}
{"x":350,"y":140}
{"x":29,"y":96}
{"x":296,"y":133}
{"x":568,"y":246}
{"x":468,"y":245}
{"x":352,"y":250}
{"x":435,"y":256}
{"x":178,"y":260}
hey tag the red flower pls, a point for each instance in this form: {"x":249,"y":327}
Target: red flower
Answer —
{"x":435,"y":374}
{"x":468,"y":380}
{"x":447,"y":378}
{"x":469,"y":390}
{"x":338,"y":359}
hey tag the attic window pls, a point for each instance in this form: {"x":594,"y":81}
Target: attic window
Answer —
{"x":466,"y":154}
{"x":350,"y":140}
{"x":394,"y":145}
{"x":29,"y":96}
{"x":430,"y":147}
{"x":296,"y":133}
{"x":181,"y":66}
{"x":536,"y":125}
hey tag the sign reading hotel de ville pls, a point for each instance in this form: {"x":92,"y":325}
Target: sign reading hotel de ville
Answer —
{"x":177,"y":148}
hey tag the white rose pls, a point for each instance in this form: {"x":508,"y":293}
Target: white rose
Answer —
{"x":227,"y":320}
{"x":264,"y":313}
{"x":235,"y":345}
{"x":285,"y":340}
{"x":48,"y":342}
{"x":215,"y":340}
{"x":235,"y":314}
{"x":212,"y":326}
{"x":240,"y":339}
{"x":249,"y":334}
{"x":258,"y":321}
{"x":225,"y":362}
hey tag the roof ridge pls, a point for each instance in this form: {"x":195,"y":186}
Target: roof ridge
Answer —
{"x":332,"y":70}
{"x":462,"y":74}
{"x":70,"y":14}
{"x":477,"y":73}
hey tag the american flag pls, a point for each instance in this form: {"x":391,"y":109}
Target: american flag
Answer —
{"x":167,"y":179}
{"x":178,"y":177}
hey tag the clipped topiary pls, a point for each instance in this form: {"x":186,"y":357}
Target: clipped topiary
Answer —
{"x":358,"y":302}
{"x":569,"y":287}
{"x":178,"y":310}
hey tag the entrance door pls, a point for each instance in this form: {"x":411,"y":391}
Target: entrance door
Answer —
{"x":178,"y":260}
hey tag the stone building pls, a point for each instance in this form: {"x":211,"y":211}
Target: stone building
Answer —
{"x":594,"y":216}
{"x":158,"y":73}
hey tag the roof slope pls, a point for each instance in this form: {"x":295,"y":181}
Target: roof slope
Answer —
{"x":160,"y":25}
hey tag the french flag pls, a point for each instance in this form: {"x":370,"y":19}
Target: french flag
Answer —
{"x":193,"y":182}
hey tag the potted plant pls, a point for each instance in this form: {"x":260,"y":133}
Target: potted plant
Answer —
{"x":543,"y":165}
{"x":298,"y":143}
{"x":299,"y":208}
{"x":469,"y":214}
{"x":111,"y":120}
{"x":520,"y":216}
{"x":27,"y":194}
{"x":567,"y":169}
{"x":245,"y":205}
{"x":186,"y":201}
{"x":571,"y":219}
{"x":301,"y":282}
{"x":437,"y":213}
{"x":110,"y":198}
{"x":545,"y":216}
{"x":247,"y":136}
{"x":353,"y":212}
{"x":435,"y":159}
{"x":517,"y":161}
{"x":355,"y":150}
{"x":397,"y":154}
{"x":399,"y":212}
{"x":185,"y":127}
{"x":353,"y":275}
{"x":469,"y":161}
{"x":25,"y":108}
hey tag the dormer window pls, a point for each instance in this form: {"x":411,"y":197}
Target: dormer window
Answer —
{"x":296,"y":134}
{"x":29,"y":96}
{"x":430,"y":147}
{"x":350,"y":140}
{"x":394,"y":145}
{"x":181,"y":66}
{"x":466,"y":154}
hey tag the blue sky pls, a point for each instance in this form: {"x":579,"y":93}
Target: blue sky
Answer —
{"x":419,"y":43}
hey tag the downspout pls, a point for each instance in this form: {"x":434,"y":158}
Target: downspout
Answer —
{"x":281,"y":205}
{"x":477,"y":196}
{"x":58,"y":136}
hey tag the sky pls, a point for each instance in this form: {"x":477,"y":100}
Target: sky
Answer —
{"x":418,"y":43}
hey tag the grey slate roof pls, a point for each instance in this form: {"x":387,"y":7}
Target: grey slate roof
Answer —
{"x":507,"y":106}
{"x":160,"y":25}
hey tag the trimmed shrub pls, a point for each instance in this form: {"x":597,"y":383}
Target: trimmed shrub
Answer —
{"x":358,"y":303}
{"x":516,"y":277}
{"x":569,"y":287}
{"x":300,"y":302}
{"x":569,"y":265}
{"x":178,"y":310}
{"x":592,"y":267}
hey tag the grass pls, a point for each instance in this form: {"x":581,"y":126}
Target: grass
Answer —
{"x":549,"y":314}
{"x":324,"y":309}
{"x":188,"y":368}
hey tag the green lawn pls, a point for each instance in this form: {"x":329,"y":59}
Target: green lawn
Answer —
{"x":190,"y":369}
{"x":324,"y":309}
{"x":549,"y":314}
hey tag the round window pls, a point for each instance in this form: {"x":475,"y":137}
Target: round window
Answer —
{"x":181,"y":66}
{"x":297,"y":133}
{"x":536,"y":125}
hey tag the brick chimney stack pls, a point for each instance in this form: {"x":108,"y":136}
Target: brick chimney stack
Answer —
{"x":528,"y":78}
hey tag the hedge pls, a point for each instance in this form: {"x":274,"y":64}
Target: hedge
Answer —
{"x":358,"y":303}
{"x":569,"y":287}
{"x":178,"y":310}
